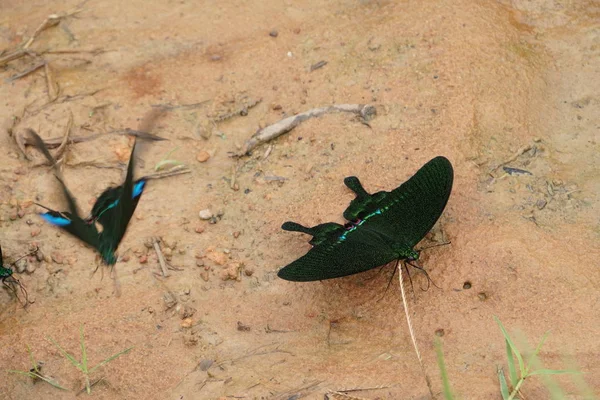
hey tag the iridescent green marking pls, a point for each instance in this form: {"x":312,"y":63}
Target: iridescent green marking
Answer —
{"x":362,"y":221}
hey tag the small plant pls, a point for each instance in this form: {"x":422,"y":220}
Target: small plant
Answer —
{"x":167,"y":162}
{"x":83,"y":365}
{"x":442,"y":366}
{"x":525,"y":370}
{"x":35,"y":373}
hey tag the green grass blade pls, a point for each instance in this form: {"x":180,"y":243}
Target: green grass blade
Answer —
{"x":83,"y":351}
{"x":67,"y":355}
{"x":162,"y":164}
{"x":553,"y":372}
{"x":34,"y":375}
{"x":444,"y":373}
{"x":510,"y":360}
{"x":503,"y":386}
{"x":532,"y":359}
{"x":514,"y":350}
{"x":110,"y":359}
{"x":33,"y":363}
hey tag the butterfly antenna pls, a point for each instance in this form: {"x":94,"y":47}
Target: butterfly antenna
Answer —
{"x":434,"y":245}
{"x":429,"y":280}
{"x":390,"y":281}
{"x":26,"y":255}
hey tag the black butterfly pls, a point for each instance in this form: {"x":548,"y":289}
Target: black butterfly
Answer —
{"x":382,"y":227}
{"x":113,"y":210}
{"x":8,"y":279}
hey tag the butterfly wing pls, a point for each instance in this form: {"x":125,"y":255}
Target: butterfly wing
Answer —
{"x":116,"y":219}
{"x":343,"y":252}
{"x":407,"y":213}
{"x":70,"y":221}
{"x":110,"y":198}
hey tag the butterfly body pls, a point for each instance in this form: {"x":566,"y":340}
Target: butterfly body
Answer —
{"x":382,"y":227}
{"x":113,"y":210}
{"x":8,"y":280}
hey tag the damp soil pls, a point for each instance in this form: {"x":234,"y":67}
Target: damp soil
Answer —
{"x":489,"y":85}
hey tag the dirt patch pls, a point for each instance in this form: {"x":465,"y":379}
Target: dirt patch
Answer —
{"x":485,"y":84}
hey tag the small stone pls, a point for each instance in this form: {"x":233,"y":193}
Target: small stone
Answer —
{"x":242,"y":328}
{"x":236,"y":234}
{"x":20,"y":213}
{"x":125,"y":258}
{"x":187,"y":291}
{"x":248,"y":271}
{"x":186,"y":312}
{"x":203,"y":156}
{"x":204,"y":275}
{"x":205,"y":214}
{"x":276,"y":107}
{"x":199,"y":263}
{"x":21,"y":265}
{"x":217,"y":257}
{"x":35,"y":231}
{"x":482,"y":296}
{"x":169,"y":300}
{"x":13,"y":215}
{"x":274,"y":33}
{"x":199,"y":229}
{"x":215,"y":57}
{"x":143,"y":259}
{"x":187,"y":323}
{"x":71,"y":260}
{"x":167,"y":252}
{"x":150,"y":310}
{"x":467,"y":285}
{"x":439,"y":332}
{"x":57,"y":257}
{"x":39,"y":255}
{"x":149,"y":243}
{"x":541,"y":203}
{"x":30,"y":267}
{"x":205,"y":364}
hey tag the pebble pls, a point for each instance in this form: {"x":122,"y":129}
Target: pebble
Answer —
{"x":21,"y":213}
{"x":35,"y":231}
{"x":30,"y":267}
{"x":205,"y":364}
{"x":169,"y":300}
{"x":21,"y":265}
{"x":149,"y":243}
{"x":57,"y":257}
{"x":440,"y":332}
{"x":39,"y":255}
{"x":249,"y":271}
{"x":274,"y":33}
{"x":125,"y":258}
{"x":13,"y":215}
{"x":186,"y":312}
{"x":187,"y":323}
{"x":215,"y":57}
{"x":217,"y":257}
{"x":143,"y":259}
{"x":204,"y":275}
{"x":205,"y":214}
{"x":242,"y":327}
{"x":203,"y":156}
{"x":199,"y":263}
{"x":237,"y":234}
{"x":199,"y":229}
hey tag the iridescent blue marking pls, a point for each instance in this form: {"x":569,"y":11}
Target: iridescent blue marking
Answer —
{"x":138,"y":188}
{"x":55,"y":220}
{"x":359,"y":223}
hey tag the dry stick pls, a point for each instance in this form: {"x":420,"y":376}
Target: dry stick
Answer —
{"x":27,"y":72}
{"x":61,"y":148}
{"x":513,"y":158}
{"x":161,"y":258}
{"x":412,"y":334}
{"x":56,"y":142}
{"x":177,"y":170}
{"x":49,"y":22}
{"x":53,"y":88}
{"x":14,"y":55}
{"x":365,"y":111}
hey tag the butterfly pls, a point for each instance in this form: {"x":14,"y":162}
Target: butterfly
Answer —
{"x":8,"y":279}
{"x":382,"y":227}
{"x":113,"y":210}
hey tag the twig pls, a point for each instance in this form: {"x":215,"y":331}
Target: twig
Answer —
{"x":170,"y":107}
{"x":161,"y":258}
{"x":513,"y":158}
{"x":53,"y":88}
{"x":49,"y":22}
{"x":27,"y":71}
{"x":412,"y":334}
{"x":365,"y":111}
{"x":63,"y":145}
{"x":14,"y":55}
{"x":178,"y":170}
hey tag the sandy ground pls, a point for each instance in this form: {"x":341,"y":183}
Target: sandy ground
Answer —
{"x":485,"y":84}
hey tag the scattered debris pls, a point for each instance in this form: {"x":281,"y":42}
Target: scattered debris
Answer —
{"x":318,"y":65}
{"x":365,"y":111}
{"x":516,"y":171}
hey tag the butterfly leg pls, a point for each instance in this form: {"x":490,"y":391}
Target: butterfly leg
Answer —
{"x":429,"y":280}
{"x":10,"y":285}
